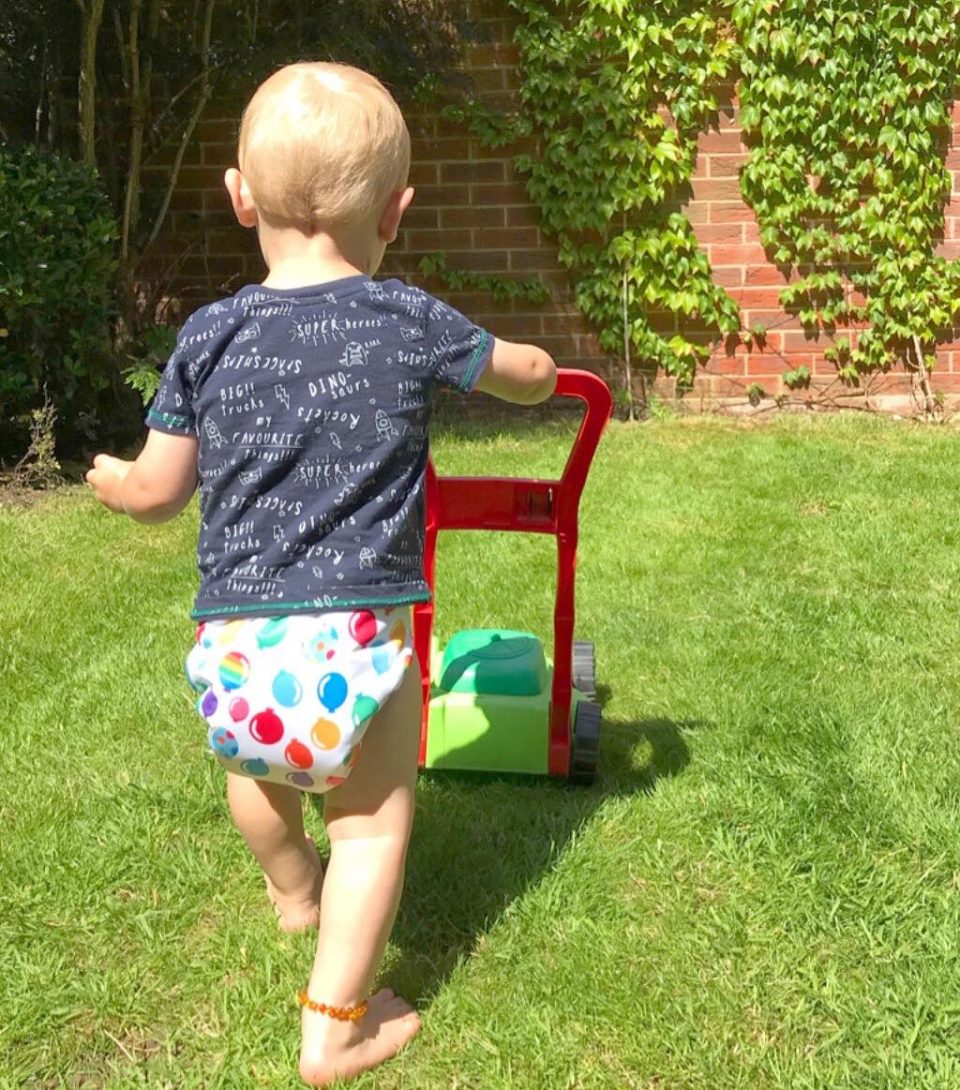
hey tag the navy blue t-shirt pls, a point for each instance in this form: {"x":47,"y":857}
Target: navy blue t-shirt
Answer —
{"x":312,"y":407}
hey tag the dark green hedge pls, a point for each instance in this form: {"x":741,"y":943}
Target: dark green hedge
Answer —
{"x":57,"y":296}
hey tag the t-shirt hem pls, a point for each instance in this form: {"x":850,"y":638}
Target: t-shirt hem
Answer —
{"x":329,"y":603}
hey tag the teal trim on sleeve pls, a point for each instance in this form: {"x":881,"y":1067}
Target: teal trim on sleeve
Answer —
{"x":478,"y":354}
{"x":170,"y":420}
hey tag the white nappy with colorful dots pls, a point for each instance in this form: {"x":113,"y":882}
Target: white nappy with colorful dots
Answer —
{"x":287,"y":699}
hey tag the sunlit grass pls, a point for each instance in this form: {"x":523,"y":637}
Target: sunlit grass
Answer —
{"x":760,"y":891}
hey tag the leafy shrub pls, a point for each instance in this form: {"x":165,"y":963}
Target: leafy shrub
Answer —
{"x":154,"y":348}
{"x":57,"y":294}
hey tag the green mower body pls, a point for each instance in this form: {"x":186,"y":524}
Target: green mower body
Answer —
{"x":489,"y":706}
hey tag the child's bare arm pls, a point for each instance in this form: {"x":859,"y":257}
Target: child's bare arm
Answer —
{"x":154,"y":488}
{"x":521,"y":373}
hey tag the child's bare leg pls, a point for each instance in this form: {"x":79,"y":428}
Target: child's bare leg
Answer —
{"x":270,"y":817}
{"x":369,"y":819}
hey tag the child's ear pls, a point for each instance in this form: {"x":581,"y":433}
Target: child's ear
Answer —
{"x":392,"y":215}
{"x":240,"y":197}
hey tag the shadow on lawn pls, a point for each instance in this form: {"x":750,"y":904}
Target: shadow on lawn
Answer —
{"x":480,"y":842}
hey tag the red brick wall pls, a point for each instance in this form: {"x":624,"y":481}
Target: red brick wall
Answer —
{"x":472,"y":205}
{"x":728,"y":232}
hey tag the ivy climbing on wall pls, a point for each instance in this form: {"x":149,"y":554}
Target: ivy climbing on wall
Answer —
{"x":617,"y":93}
{"x":846,"y":108}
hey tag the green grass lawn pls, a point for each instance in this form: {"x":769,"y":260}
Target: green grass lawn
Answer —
{"x":762,"y":889}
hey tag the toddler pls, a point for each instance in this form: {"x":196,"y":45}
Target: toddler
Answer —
{"x":301,"y":407}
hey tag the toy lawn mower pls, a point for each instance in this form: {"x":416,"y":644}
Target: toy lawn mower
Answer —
{"x":493,"y":700}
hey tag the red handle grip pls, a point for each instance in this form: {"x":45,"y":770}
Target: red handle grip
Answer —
{"x":595,"y":394}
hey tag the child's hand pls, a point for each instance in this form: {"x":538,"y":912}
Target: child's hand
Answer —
{"x":106,"y":480}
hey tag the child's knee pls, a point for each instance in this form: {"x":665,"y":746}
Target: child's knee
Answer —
{"x":385,"y":829}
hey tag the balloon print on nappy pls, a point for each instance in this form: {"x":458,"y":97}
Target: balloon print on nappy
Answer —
{"x":194,"y":668}
{"x":272,"y":632}
{"x":239,"y":709}
{"x":385,"y":653}
{"x":229,"y":632}
{"x":208,"y":703}
{"x":383,"y":657}
{"x":363,"y":708}
{"x":325,"y":734}
{"x":300,"y":779}
{"x":287,"y":690}
{"x":266,"y":727}
{"x":256,"y":766}
{"x":234,"y":670}
{"x":332,"y":691}
{"x":363,"y":627}
{"x":316,"y":649}
{"x":298,"y":755}
{"x":224,"y":742}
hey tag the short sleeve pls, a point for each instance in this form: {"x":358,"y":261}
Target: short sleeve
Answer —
{"x":460,"y":349}
{"x":172,"y":408}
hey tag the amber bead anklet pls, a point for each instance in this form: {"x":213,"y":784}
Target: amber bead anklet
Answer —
{"x":341,"y":1014}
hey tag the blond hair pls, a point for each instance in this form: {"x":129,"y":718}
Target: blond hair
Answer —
{"x":322,"y":145}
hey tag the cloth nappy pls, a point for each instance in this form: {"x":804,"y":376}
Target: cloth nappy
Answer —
{"x":288,"y":698}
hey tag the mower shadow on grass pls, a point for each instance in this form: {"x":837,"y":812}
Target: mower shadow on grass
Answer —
{"x":481,"y":841}
{"x":635,"y":755}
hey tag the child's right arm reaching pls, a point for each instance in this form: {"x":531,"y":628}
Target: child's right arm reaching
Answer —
{"x":521,"y":373}
{"x":154,"y":488}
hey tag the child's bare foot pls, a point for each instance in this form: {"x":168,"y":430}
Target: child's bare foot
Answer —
{"x":342,"y":1050}
{"x":299,"y":910}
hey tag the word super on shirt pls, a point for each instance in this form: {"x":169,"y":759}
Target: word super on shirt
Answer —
{"x":311,"y":406}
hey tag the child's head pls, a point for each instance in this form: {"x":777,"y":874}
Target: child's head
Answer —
{"x":322,"y":146}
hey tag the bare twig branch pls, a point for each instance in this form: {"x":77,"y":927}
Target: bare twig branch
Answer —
{"x":923,"y":378}
{"x":187,"y":135}
{"x":626,"y":347}
{"x":92,"y":17}
{"x":185,"y":90}
{"x":131,"y":199}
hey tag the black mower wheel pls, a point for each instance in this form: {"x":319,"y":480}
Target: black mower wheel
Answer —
{"x":585,"y":668}
{"x":585,"y":743}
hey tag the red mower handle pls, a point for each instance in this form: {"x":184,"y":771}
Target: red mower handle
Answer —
{"x":532,"y":506}
{"x":526,"y":504}
{"x":596,"y":396}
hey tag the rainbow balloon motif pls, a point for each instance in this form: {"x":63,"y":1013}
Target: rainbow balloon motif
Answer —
{"x":234,"y":670}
